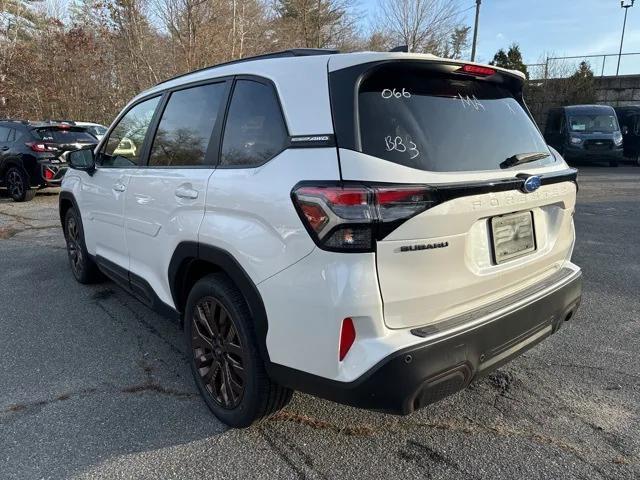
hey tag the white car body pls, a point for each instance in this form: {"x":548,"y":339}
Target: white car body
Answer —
{"x":407,"y":294}
{"x":96,"y":129}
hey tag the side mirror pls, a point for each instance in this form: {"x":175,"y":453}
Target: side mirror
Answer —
{"x":625,"y":130}
{"x":82,"y":159}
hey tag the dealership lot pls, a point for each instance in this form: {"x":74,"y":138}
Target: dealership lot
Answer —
{"x":93,"y":385}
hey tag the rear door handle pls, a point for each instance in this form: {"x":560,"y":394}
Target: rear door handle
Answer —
{"x":119,"y":187}
{"x":186,"y":192}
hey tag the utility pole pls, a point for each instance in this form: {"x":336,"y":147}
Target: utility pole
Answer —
{"x":475,"y":31}
{"x":626,"y":7}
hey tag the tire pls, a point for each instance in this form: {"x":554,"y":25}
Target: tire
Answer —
{"x":223,"y":351}
{"x":17,"y":183}
{"x":82,"y":265}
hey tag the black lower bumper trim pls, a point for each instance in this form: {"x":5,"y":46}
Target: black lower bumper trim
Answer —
{"x":422,"y":374}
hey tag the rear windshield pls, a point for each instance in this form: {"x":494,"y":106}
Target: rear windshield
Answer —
{"x":593,"y":123}
{"x":65,"y":135}
{"x":439,"y":122}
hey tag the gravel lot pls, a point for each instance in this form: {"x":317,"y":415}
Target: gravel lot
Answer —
{"x":93,"y":385}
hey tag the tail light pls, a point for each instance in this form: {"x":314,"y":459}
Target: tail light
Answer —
{"x":40,"y":147}
{"x":477,"y":70}
{"x":49,"y":174}
{"x":350,"y":218}
{"x":37,"y":147}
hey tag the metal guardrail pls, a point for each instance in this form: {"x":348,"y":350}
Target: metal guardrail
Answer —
{"x":562,"y":67}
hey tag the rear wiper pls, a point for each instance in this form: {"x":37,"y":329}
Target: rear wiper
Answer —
{"x":521,"y":158}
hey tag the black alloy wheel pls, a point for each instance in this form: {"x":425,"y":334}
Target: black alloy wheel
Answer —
{"x":82,"y":265}
{"x":218,"y":352}
{"x":74,"y":250}
{"x":228,"y":369}
{"x":17,"y":183}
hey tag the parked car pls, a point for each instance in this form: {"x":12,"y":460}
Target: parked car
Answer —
{"x":30,"y":154}
{"x":380,"y":242}
{"x":629,"y":119}
{"x":95,"y":129}
{"x":585,"y":133}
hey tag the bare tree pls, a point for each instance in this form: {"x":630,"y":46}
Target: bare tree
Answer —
{"x":422,"y":25}
{"x":314,"y":24}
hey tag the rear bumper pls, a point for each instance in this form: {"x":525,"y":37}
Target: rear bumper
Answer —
{"x":448,"y":360}
{"x":52,"y":174}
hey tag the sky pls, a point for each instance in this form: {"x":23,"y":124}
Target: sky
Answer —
{"x":554,"y":28}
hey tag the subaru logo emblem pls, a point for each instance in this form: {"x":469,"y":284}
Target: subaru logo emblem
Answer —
{"x":531,"y":184}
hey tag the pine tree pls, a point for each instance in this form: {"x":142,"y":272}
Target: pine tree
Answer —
{"x":512,"y":59}
{"x":581,"y":85}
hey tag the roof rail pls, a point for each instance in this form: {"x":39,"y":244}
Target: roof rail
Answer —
{"x":24,"y":122}
{"x":294,"y":52}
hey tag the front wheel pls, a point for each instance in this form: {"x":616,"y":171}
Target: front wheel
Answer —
{"x":17,"y":182}
{"x":224,"y":357}
{"x":82,"y":265}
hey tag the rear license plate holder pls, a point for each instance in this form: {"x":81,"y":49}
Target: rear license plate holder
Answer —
{"x":512,"y":236}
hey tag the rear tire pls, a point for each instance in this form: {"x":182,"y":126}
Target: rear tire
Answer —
{"x":17,"y":182}
{"x":224,"y":357}
{"x":82,"y":265}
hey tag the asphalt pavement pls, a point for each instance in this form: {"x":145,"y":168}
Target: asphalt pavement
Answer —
{"x":94,"y":385}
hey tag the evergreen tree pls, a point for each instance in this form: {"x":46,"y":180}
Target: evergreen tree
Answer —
{"x":581,"y":86}
{"x":512,"y":59}
{"x":458,"y":42}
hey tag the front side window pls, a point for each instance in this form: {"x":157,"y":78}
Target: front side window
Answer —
{"x":124,"y":145}
{"x":443,"y":122}
{"x":255,"y":131}
{"x":583,"y":123}
{"x":186,"y":126}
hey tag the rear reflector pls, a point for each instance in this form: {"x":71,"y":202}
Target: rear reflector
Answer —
{"x":477,"y":70}
{"x":349,"y":218}
{"x":347,"y":337}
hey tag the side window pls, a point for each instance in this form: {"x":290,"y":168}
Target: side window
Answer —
{"x":634,"y":126}
{"x":4,"y":133}
{"x":553,"y":122}
{"x":12,"y":135}
{"x":186,"y":126}
{"x":255,"y":131}
{"x":124,"y":145}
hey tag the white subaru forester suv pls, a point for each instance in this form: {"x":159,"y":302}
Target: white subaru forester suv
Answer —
{"x":377,"y":229}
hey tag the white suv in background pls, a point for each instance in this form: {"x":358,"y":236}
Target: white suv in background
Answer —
{"x":376,"y":229}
